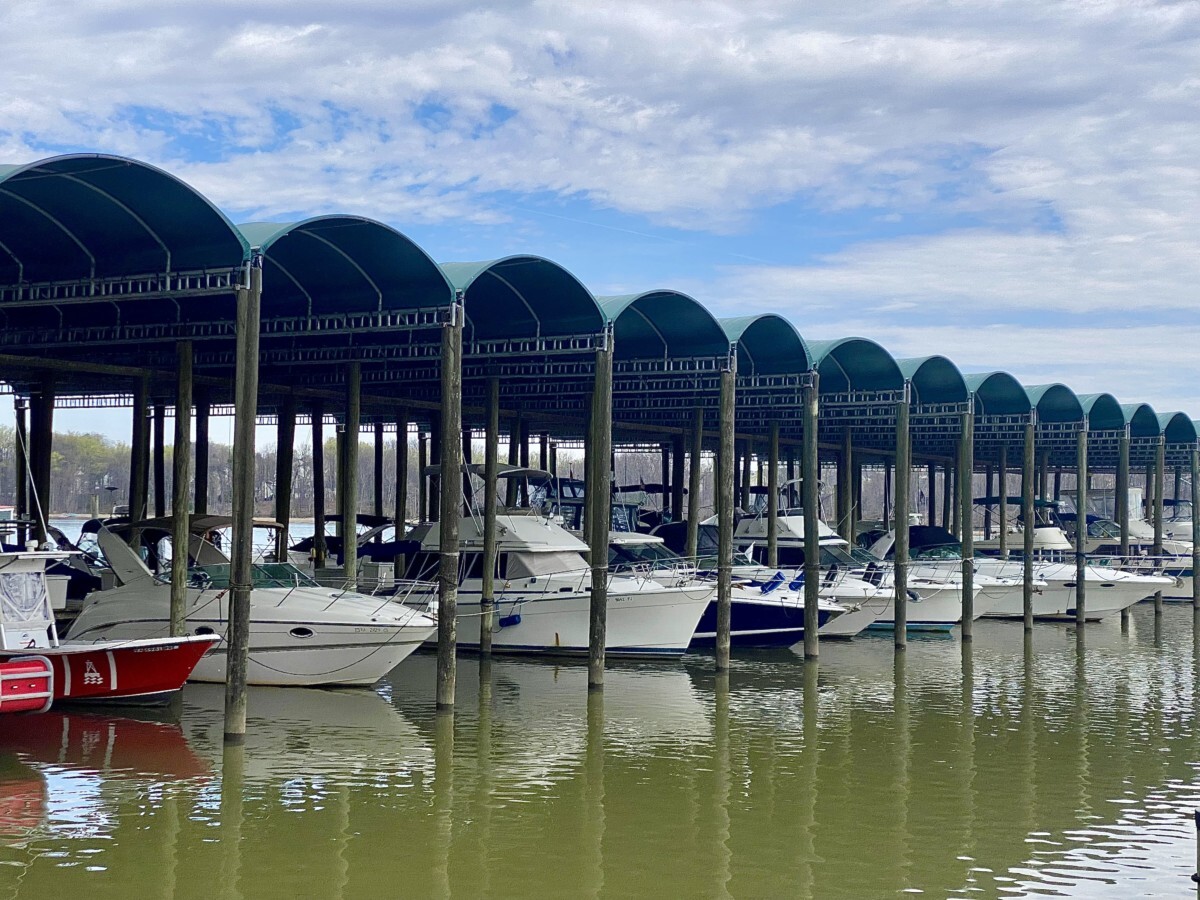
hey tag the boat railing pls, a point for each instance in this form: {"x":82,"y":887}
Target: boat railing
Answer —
{"x":1169,"y":565}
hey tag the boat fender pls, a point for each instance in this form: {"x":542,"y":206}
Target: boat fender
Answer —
{"x":509,"y":621}
{"x":796,"y":583}
{"x":773,"y":582}
{"x":914,"y":597}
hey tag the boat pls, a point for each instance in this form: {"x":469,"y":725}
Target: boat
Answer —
{"x":301,"y":634}
{"x":766,"y":613}
{"x":139,"y":670}
{"x":543,"y":592}
{"x":1048,"y":533}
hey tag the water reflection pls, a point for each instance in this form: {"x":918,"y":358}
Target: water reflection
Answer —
{"x":1061,"y":761}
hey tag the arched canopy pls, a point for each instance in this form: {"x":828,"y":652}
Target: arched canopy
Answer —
{"x":767,"y":344}
{"x":522,"y":296}
{"x":343,"y":264}
{"x":934,"y":379}
{"x":1055,"y":403}
{"x":1142,"y":420}
{"x":854,"y":364}
{"x":997,"y":394}
{"x":1103,"y":412}
{"x":659,"y":324}
{"x":1177,"y":428}
{"x":88,"y":216}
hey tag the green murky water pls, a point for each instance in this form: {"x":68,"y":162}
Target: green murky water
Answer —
{"x":1068,"y":771}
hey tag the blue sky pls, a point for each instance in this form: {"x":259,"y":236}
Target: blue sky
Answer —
{"x":1013,"y":185}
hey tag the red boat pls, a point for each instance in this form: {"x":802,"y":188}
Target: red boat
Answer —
{"x":124,"y":671}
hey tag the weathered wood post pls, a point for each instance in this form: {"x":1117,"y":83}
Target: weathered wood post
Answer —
{"x":320,"y":550}
{"x":42,"y":427}
{"x":694,"y":472}
{"x":422,"y":479}
{"x":22,"y":473}
{"x":160,"y":460}
{"x":747,"y":465}
{"x":967,"y":468}
{"x":1122,"y":502}
{"x":468,"y":485}
{"x":348,"y":486}
{"x":1003,"y":501}
{"x":888,"y":505}
{"x":450,"y":490}
{"x":949,"y":510}
{"x":809,"y":474}
{"x":1160,"y":464}
{"x":988,"y":475}
{"x":435,"y":480}
{"x":725,"y":462}
{"x":400,"y":563}
{"x":1195,"y":461}
{"x":1081,"y":493}
{"x":285,"y":456}
{"x":514,"y":459}
{"x":201,"y":452}
{"x":677,"y":464}
{"x":599,"y":497}
{"x":845,"y":490}
{"x":664,"y":458}
{"x":544,"y":451}
{"x":900,"y":523}
{"x":377,"y":506}
{"x":1028,"y":474}
{"x":773,"y":497}
{"x":1043,"y":474}
{"x":181,"y":476}
{"x":491,"y":466}
{"x":931,"y":499}
{"x":249,"y":300}
{"x":138,"y":463}
{"x":1057,"y":482}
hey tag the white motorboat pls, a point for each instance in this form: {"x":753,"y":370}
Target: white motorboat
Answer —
{"x":300,"y":633}
{"x":543,"y":593}
{"x":1048,"y":533}
{"x":1107,"y":591}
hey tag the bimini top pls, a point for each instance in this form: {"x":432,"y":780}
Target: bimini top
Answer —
{"x":1054,"y":403}
{"x":1177,"y":428}
{"x":934,"y":379}
{"x":343,"y":264}
{"x":1103,"y":412}
{"x":767,"y":345}
{"x":523,"y":296}
{"x":88,"y":216}
{"x":662,"y":324}
{"x":997,"y":394}
{"x":854,"y":364}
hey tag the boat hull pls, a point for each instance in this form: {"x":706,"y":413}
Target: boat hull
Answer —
{"x":937,"y":607}
{"x":760,"y":621}
{"x":1107,"y":592}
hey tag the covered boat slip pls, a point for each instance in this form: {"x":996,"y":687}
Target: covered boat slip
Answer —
{"x":122,"y":286}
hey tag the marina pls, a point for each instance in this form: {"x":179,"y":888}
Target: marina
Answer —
{"x":849,"y":643}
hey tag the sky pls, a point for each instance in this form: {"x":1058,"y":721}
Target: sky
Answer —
{"x":1012,"y":184}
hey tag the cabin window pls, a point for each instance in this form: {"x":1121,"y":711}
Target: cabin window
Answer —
{"x":531,"y":565}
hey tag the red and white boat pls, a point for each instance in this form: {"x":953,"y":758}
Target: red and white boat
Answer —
{"x":145,"y":670}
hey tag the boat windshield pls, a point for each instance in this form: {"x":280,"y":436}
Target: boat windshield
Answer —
{"x":262,"y":575}
{"x":629,"y":555}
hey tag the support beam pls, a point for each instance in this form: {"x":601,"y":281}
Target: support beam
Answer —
{"x":160,"y":460}
{"x":377,"y":481}
{"x":1003,"y":501}
{"x":900,"y":524}
{"x":989,"y":475}
{"x":747,"y":464}
{"x":1043,"y":474}
{"x":544,"y":451}
{"x":1028,"y":474}
{"x":22,"y":468}
{"x":435,"y":481}
{"x":888,"y":506}
{"x":422,"y":481}
{"x":401,"y":514}
{"x":598,"y":492}
{"x":678,"y":443}
{"x":523,"y":484}
{"x":725,"y":515}
{"x":200,"y":504}
{"x":42,"y":433}
{"x":664,"y":458}
{"x":966,"y":470}
{"x":1160,"y":465}
{"x":491,"y":461}
{"x":694,"y":471}
{"x":1081,"y":493}
{"x":845,"y":515}
{"x":468,"y":486}
{"x":809,"y":474}
{"x":138,"y":463}
{"x":1122,"y":491}
{"x":285,"y":457}
{"x":1058,"y":482}
{"x":249,"y":300}
{"x":181,"y":477}
{"x":1195,"y":465}
{"x":514,"y":459}
{"x":931,"y":498}
{"x":773,"y":497}
{"x":320,"y":550}
{"x":450,"y":461}
{"x":949,"y":510}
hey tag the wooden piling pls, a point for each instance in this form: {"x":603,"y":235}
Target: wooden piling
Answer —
{"x":42,"y":428}
{"x":747,"y":460}
{"x":200,"y":503}
{"x":678,"y":443}
{"x":377,"y":482}
{"x":900,"y":523}
{"x":1081,"y":492}
{"x":725,"y":515}
{"x":664,"y":454}
{"x":1195,"y":473}
{"x":400,"y":563}
{"x":931,"y":497}
{"x":949,"y":510}
{"x":22,"y":472}
{"x":1160,"y":465}
{"x":966,"y":470}
{"x":435,"y":481}
{"x":514,"y":459}
{"x":1028,"y":475}
{"x":237,"y":658}
{"x":598,"y":493}
{"x":181,"y":477}
{"x":773,"y":497}
{"x":137,"y":449}
{"x":320,"y":550}
{"x":422,"y":479}
{"x":1122,"y":502}
{"x":694,"y":472}
{"x":1003,"y":501}
{"x":544,"y":451}
{"x":160,"y":460}
{"x":468,"y":485}
{"x":988,"y":475}
{"x":491,"y":460}
{"x":809,"y":474}
{"x":845,"y":523}
{"x":450,"y":462}
{"x":285,"y":456}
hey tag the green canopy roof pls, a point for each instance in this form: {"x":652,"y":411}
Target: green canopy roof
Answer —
{"x":1103,"y":411}
{"x":1142,"y":420}
{"x":997,"y":394}
{"x":934,"y":379}
{"x":335,"y":264}
{"x":521,"y":296}
{"x":660,"y":324}
{"x":1177,"y":428}
{"x":854,"y":364}
{"x":1055,"y":403}
{"x":89,"y":216}
{"x":767,"y":344}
